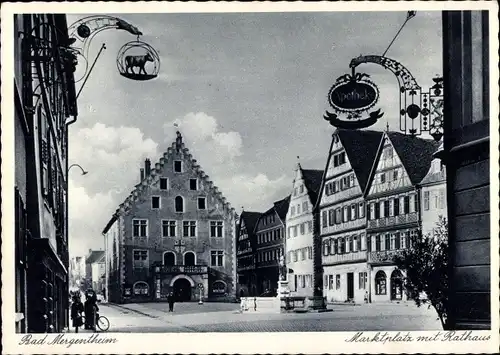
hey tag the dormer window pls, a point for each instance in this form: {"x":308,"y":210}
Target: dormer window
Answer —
{"x":193,"y":184}
{"x":178,"y":166}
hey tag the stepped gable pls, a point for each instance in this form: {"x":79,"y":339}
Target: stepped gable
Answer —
{"x":312,"y":180}
{"x":416,"y":154}
{"x":179,"y":147}
{"x":281,"y":207}
{"x":361,"y":148}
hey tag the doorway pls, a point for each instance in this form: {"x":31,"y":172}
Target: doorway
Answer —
{"x":396,"y":285}
{"x":182,"y":290}
{"x":350,"y":286}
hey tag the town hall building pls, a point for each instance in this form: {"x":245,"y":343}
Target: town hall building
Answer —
{"x":174,"y":233}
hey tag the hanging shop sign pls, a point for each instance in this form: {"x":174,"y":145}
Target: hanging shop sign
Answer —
{"x":137,"y":60}
{"x":350,"y":97}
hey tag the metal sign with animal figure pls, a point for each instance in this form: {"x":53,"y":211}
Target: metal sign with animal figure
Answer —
{"x":138,"y":61}
{"x":350,"y":96}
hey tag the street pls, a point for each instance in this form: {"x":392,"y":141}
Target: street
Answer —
{"x":225,"y":317}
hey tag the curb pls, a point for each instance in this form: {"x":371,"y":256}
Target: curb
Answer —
{"x":131,"y":310}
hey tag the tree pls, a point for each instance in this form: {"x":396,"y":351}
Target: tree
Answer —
{"x":426,"y":265}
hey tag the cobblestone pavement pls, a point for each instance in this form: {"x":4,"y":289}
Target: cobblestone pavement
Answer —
{"x":188,"y":318}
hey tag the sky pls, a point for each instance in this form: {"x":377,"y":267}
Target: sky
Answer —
{"x":248,"y":92}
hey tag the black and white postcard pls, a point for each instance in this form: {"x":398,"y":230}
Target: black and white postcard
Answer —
{"x":249,"y":177}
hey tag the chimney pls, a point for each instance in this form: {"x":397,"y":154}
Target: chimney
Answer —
{"x":142,"y":174}
{"x":147,"y":167}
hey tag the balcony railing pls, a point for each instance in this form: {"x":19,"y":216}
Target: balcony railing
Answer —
{"x":394,"y":220}
{"x":345,"y":258}
{"x":383,"y":257}
{"x":182,"y":269}
{"x":247,"y":250}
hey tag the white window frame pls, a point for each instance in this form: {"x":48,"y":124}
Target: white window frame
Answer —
{"x":189,"y":226}
{"x":168,"y":183}
{"x":218,"y":253}
{"x":168,"y":226}
{"x":216,"y":229}
{"x":159,"y":202}
{"x":198,"y":203}
{"x":183,"y":204}
{"x":184,"y":257}
{"x":197,"y":185}
{"x":147,"y":227}
{"x":182,"y":167}
{"x":163,"y":257}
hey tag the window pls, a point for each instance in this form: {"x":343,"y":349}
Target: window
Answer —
{"x":393,"y":242}
{"x":403,"y":239}
{"x":326,"y":246}
{"x":193,"y":184}
{"x":362,"y":238}
{"x":292,"y":210}
{"x":355,"y":245}
{"x":155,"y":202}
{"x":310,"y":226}
{"x":169,"y":258}
{"x":377,"y":210}
{"x":219,"y":287}
{"x":378,"y":245}
{"x":353,"y":212}
{"x":345,"y":214}
{"x":442,"y":198}
{"x":169,"y":228}
{"x":302,"y":229}
{"x":298,"y":209}
{"x":387,"y":240}
{"x":380,"y":283}
{"x":386,"y":209}
{"x":189,"y":258}
{"x":202,"y":203}
{"x":216,"y":229}
{"x":178,"y":166}
{"x":391,"y":207}
{"x":305,"y":206}
{"x":163,"y":183}
{"x":217,"y":258}
{"x":387,"y":153}
{"x":294,"y":231}
{"x":382,"y":178}
{"x":337,"y":282}
{"x":395,"y":175}
{"x":140,"y":228}
{"x":303,"y":254}
{"x":361,"y":210}
{"x":309,"y":252}
{"x":179,"y":204}
{"x":362,"y":280}
{"x":140,"y":259}
{"x":331,"y":219}
{"x":330,"y":282}
{"x":141,"y":288}
{"x":189,"y":228}
{"x":371,"y":212}
{"x":324,"y":219}
{"x":412,"y":201}
{"x":407,"y":204}
{"x":396,"y":207}
{"x":301,"y":189}
{"x":295,"y":192}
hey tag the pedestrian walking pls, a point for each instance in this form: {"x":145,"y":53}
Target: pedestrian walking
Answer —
{"x":76,"y":312}
{"x":171,"y":301}
{"x":91,"y":310}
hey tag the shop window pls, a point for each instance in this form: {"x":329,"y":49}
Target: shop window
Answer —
{"x":380,"y":283}
{"x":362,"y":280}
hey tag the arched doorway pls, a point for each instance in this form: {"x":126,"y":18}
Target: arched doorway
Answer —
{"x":396,"y":285}
{"x":380,"y":283}
{"x":169,"y":258}
{"x":189,"y":258}
{"x":182,"y":290}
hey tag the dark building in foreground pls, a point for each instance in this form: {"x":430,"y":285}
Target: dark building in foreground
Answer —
{"x":45,"y":101}
{"x":467,"y":158}
{"x":245,"y":255}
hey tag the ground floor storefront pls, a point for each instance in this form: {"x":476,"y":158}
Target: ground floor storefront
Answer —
{"x":387,"y":284}
{"x":346,"y":283}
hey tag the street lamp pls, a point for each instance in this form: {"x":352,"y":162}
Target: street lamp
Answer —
{"x":84,"y":172}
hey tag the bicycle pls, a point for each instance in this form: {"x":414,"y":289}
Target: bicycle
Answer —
{"x":102,"y":322}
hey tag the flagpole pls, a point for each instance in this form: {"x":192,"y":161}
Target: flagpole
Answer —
{"x":409,"y":16}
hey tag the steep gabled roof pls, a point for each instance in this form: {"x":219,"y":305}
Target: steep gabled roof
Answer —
{"x":94,"y":256}
{"x":361,"y":150}
{"x":416,"y":154}
{"x":312,"y":180}
{"x":250,"y":219}
{"x":281,"y":207}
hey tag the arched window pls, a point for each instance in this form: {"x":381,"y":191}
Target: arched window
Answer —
{"x":380,"y":283}
{"x":189,"y":258}
{"x":141,"y":288}
{"x":326,"y":246}
{"x":219,"y":287}
{"x":179,"y":204}
{"x":169,"y":258}
{"x":332,"y":247}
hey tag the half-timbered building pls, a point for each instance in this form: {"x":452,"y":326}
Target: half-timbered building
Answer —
{"x":245,"y":254}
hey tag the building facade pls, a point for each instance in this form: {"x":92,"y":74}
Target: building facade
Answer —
{"x":393,"y":209}
{"x":45,"y":101}
{"x":246,"y":257}
{"x":342,"y":215}
{"x":76,"y":272}
{"x":95,"y":270}
{"x":299,"y":243}
{"x":270,"y":234}
{"x":466,"y":64}
{"x":174,"y":233}
{"x":433,"y":196}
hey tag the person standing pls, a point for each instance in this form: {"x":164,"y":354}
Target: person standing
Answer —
{"x":90,"y":311}
{"x":171,"y":301}
{"x":76,"y":312}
